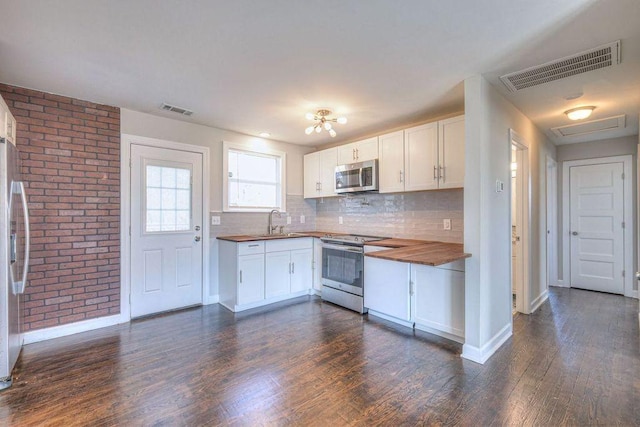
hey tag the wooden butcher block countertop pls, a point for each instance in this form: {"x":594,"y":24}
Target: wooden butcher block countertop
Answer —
{"x":419,"y":251}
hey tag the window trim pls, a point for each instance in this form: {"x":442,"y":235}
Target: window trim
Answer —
{"x":258,"y":150}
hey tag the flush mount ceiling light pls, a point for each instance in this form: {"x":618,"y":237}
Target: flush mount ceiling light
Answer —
{"x":322,"y":121}
{"x":579,"y":113}
{"x":265,"y":134}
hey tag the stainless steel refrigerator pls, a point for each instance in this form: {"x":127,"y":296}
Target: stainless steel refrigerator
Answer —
{"x":14,"y":256}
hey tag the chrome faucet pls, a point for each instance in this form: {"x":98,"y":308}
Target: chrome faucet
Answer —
{"x":271,"y":226}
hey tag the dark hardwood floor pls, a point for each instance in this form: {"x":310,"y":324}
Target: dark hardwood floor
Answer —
{"x":575,"y":361}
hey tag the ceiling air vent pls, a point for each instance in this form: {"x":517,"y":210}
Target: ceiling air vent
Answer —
{"x":175,"y":109}
{"x":589,"y":60}
{"x":580,"y":129}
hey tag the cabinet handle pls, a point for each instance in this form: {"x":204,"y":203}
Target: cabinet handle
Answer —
{"x":240,"y":276}
{"x":435,"y":172}
{"x":357,"y":154}
{"x":317,"y":186}
{"x":441,"y":174}
{"x":401,"y":177}
{"x":293,"y":268}
{"x":254,"y":246}
{"x":411,"y":292}
{"x":353,"y":155}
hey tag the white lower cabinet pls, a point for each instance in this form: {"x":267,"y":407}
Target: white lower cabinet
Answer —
{"x":252,"y":274}
{"x":438,"y":296}
{"x":428,"y":298}
{"x":250,"y":279}
{"x":386,"y":288}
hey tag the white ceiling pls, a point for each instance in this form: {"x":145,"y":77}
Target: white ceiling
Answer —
{"x":258,"y":65}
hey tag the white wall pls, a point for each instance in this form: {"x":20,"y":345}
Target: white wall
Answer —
{"x":142,"y":124}
{"x":487,"y":234}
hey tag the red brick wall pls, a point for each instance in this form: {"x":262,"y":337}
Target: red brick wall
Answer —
{"x":71,"y":167}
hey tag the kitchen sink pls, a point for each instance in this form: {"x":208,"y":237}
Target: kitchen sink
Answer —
{"x":277,"y":235}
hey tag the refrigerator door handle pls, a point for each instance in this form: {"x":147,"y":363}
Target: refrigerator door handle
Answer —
{"x":18,"y":287}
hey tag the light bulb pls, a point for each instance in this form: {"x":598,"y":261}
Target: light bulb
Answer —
{"x":327,"y":125}
{"x":308,"y":130}
{"x":342,"y":120}
{"x":332,"y":133}
{"x":318,"y":128}
{"x":309,"y":116}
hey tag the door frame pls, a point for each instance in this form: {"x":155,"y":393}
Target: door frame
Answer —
{"x":552,"y":221}
{"x":125,"y":214}
{"x":627,"y":190}
{"x":523,"y":297}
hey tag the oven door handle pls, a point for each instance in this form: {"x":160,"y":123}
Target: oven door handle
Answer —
{"x":343,"y":248}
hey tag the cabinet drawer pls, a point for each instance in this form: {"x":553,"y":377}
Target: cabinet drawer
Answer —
{"x":289,"y":244}
{"x":248,"y":248}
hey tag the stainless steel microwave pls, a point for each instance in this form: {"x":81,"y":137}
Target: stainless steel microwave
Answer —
{"x":356,"y":177}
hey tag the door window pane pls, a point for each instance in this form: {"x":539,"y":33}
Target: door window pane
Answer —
{"x":168,"y":199}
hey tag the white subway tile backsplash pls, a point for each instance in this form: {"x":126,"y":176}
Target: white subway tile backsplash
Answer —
{"x":416,"y":215}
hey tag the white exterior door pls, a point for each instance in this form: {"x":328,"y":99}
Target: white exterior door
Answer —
{"x":166,"y":229}
{"x":597,"y":233}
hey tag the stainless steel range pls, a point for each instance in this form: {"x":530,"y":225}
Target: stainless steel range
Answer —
{"x":343,"y":270}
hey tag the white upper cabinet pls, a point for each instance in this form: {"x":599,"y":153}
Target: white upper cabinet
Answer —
{"x":421,"y":157}
{"x":391,"y":159}
{"x":425,"y":157}
{"x":451,"y":152}
{"x":359,"y":151}
{"x":319,"y":173}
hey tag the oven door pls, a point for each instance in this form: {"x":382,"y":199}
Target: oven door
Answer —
{"x":342,"y":267}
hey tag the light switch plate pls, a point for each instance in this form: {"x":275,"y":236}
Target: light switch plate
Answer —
{"x":499,"y":186}
{"x":302,"y":219}
{"x":339,"y":220}
{"x":446,"y":224}
{"x":215,"y":220}
{"x":288,"y":220}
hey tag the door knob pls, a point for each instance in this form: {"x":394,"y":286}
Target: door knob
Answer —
{"x":638,"y":275}
{"x":575,"y":233}
{"x":197,"y":238}
{"x":197,"y":228}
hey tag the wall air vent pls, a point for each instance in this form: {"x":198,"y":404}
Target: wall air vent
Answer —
{"x":175,"y":109}
{"x":584,"y":128}
{"x":600,"y":57}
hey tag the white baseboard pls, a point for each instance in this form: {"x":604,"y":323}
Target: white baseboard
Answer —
{"x":440,"y":333}
{"x":536,"y":303}
{"x":72,"y":328}
{"x":406,"y":323}
{"x":560,"y":284}
{"x":213,"y":299}
{"x":482,"y":354}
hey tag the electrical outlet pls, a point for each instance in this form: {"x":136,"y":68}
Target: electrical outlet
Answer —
{"x":499,"y":186}
{"x":288,"y":220}
{"x":339,"y":220}
{"x":302,"y":219}
{"x":446,"y":223}
{"x":215,"y":220}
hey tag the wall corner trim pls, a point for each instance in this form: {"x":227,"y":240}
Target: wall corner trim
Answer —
{"x":482,"y":354}
{"x":536,"y":303}
{"x":213,"y":299}
{"x":72,"y":328}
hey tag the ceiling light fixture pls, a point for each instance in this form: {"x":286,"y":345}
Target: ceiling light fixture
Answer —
{"x":579,"y":113}
{"x":265,"y":134}
{"x":322,"y":121}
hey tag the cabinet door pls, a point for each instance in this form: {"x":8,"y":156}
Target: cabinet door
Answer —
{"x":317,"y":264}
{"x":421,"y":157}
{"x":451,"y":152}
{"x":347,"y":154}
{"x":328,"y":163}
{"x":386,"y":287}
{"x":438,"y":298}
{"x":367,"y":149}
{"x":250,"y":278}
{"x":277,"y":273}
{"x":311,"y":175}
{"x":301,"y":270}
{"x":391,"y":162}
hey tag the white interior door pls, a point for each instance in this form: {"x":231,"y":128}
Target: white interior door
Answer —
{"x":166,"y":229}
{"x":596,"y":227}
